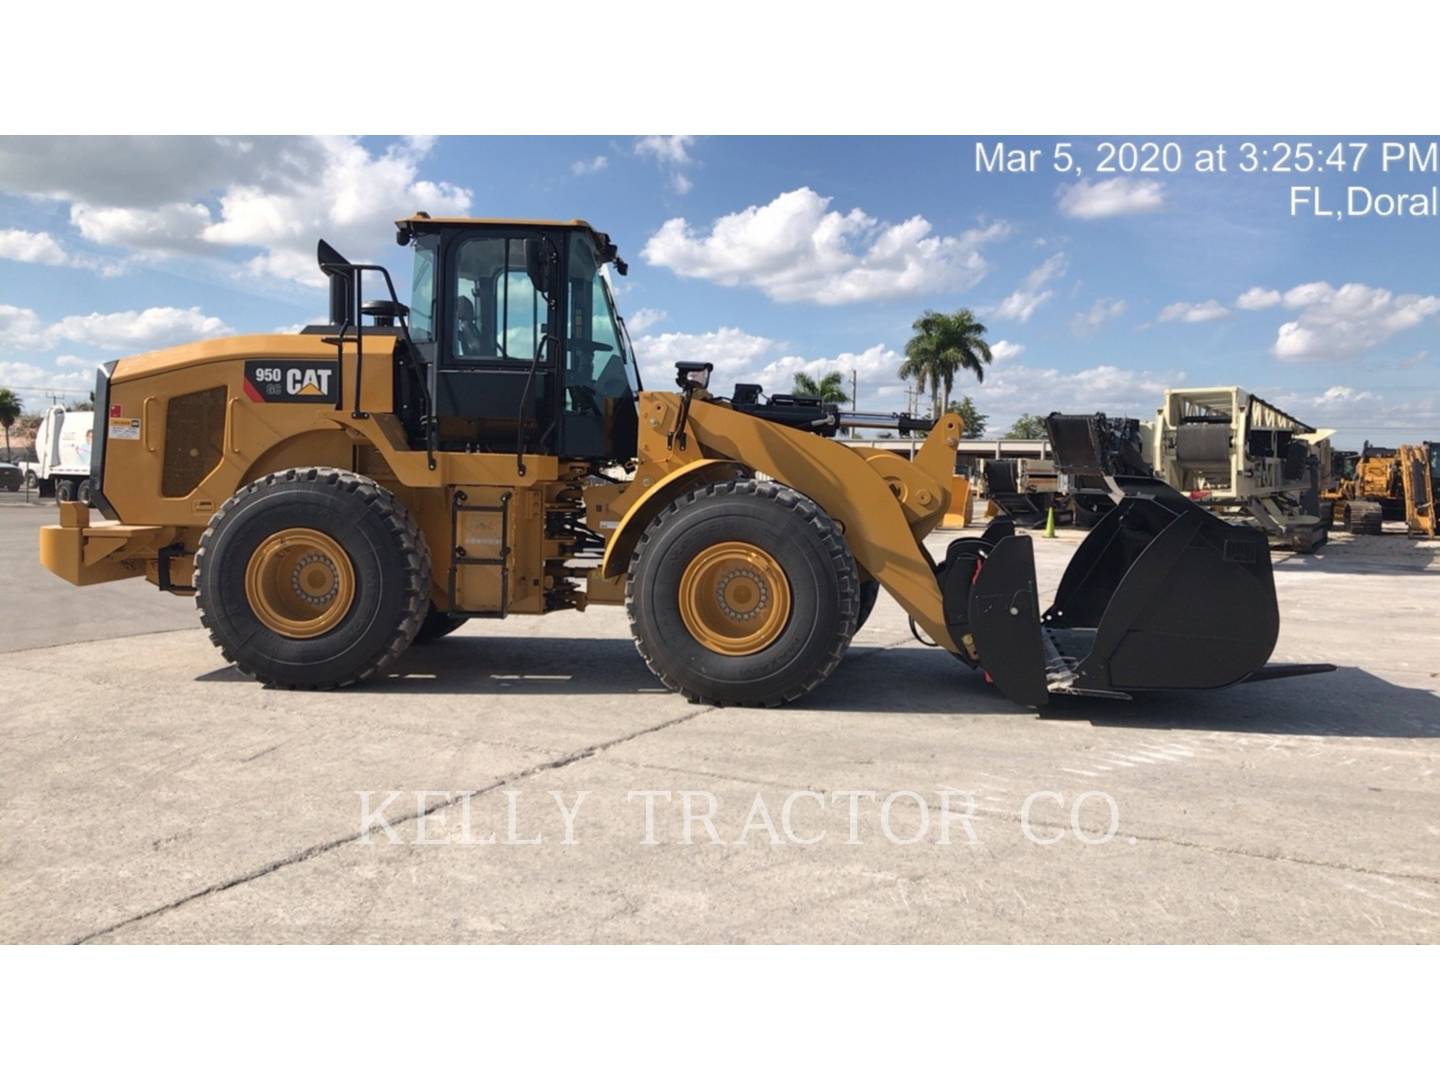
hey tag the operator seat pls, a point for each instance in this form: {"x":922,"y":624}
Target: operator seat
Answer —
{"x":468,"y":341}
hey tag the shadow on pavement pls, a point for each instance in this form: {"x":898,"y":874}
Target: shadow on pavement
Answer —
{"x":869,"y":679}
{"x":1347,"y":702}
{"x":1389,"y":554}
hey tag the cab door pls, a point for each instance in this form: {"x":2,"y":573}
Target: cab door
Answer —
{"x":491,"y":323}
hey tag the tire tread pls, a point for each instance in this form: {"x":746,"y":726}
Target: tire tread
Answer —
{"x":395,"y":515}
{"x":833,"y":541}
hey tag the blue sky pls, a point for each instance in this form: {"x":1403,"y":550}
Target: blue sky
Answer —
{"x":766,"y":255}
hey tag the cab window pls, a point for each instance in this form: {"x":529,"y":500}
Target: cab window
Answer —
{"x":422,"y":291}
{"x":495,"y":313}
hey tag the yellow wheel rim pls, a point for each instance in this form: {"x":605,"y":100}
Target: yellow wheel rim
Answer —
{"x":300,"y":583}
{"x":735,"y":599}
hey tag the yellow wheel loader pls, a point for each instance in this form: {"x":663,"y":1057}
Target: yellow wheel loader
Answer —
{"x":332,"y":497}
{"x":1380,"y":483}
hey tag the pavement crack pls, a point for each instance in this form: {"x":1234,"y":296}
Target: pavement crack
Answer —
{"x":1213,"y":849}
{"x":326,"y":846}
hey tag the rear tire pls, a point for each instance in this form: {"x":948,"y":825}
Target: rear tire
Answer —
{"x":759,"y":629}
{"x":64,"y":491}
{"x":82,"y":492}
{"x":358,"y":533}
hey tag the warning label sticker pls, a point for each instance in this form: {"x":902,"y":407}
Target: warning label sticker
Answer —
{"x":121,"y":428}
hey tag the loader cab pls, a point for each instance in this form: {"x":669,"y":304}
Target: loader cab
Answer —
{"x":519,"y":336}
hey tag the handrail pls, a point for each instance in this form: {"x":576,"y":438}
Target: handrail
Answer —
{"x":354,"y":272}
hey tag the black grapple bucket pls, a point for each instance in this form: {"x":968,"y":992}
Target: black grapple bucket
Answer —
{"x":1161,"y":595}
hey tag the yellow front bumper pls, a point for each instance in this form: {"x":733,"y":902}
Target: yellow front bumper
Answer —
{"x":83,"y":554}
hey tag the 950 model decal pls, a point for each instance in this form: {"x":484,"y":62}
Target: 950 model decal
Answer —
{"x":308,"y":382}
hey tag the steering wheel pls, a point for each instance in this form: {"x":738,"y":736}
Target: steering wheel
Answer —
{"x":591,"y":346}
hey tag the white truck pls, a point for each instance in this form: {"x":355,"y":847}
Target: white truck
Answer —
{"x":62,"y":449}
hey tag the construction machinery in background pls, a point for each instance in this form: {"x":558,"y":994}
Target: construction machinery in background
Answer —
{"x":1420,"y":479}
{"x":330,"y":498}
{"x":1025,"y":490}
{"x":1242,"y":457}
{"x":1365,"y":488}
{"x":1379,"y":484}
{"x":1030,"y":490}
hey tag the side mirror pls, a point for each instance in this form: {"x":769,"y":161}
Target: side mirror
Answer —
{"x":693,"y":374}
{"x":539,"y":266}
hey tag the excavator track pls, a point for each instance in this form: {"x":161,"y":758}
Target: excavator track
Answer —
{"x":1364,"y":518}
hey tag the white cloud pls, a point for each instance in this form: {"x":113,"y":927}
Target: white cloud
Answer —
{"x":269,"y":197}
{"x":795,"y":248}
{"x":75,"y":362}
{"x":666,"y":149}
{"x":1111,"y":198}
{"x":593,"y":165}
{"x":750,"y":358}
{"x":1346,"y":322}
{"x":641,"y":319}
{"x":23,"y":378}
{"x":1005,"y":350}
{"x":875,"y":369}
{"x":1012,"y":391}
{"x":672,"y":153}
{"x":20,"y":328}
{"x":146,"y":171}
{"x":1365,"y":414}
{"x":119,"y":331}
{"x":1257,"y":298}
{"x":137,"y":331}
{"x":31,"y":247}
{"x":1345,"y":395}
{"x":1205,"y":311}
{"x":171,"y":229}
{"x":1023,"y":302}
{"x":731,"y":350}
{"x":1101,"y":312}
{"x":351,"y":201}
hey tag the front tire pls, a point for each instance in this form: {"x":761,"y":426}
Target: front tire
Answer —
{"x":869,"y":593}
{"x":742,"y":593}
{"x":312,"y":579}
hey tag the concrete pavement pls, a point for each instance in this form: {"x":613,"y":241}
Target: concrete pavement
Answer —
{"x":152,"y":794}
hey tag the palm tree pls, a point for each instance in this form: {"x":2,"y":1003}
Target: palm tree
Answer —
{"x":827,"y":388}
{"x":943,"y":345}
{"x":9,"y":413}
